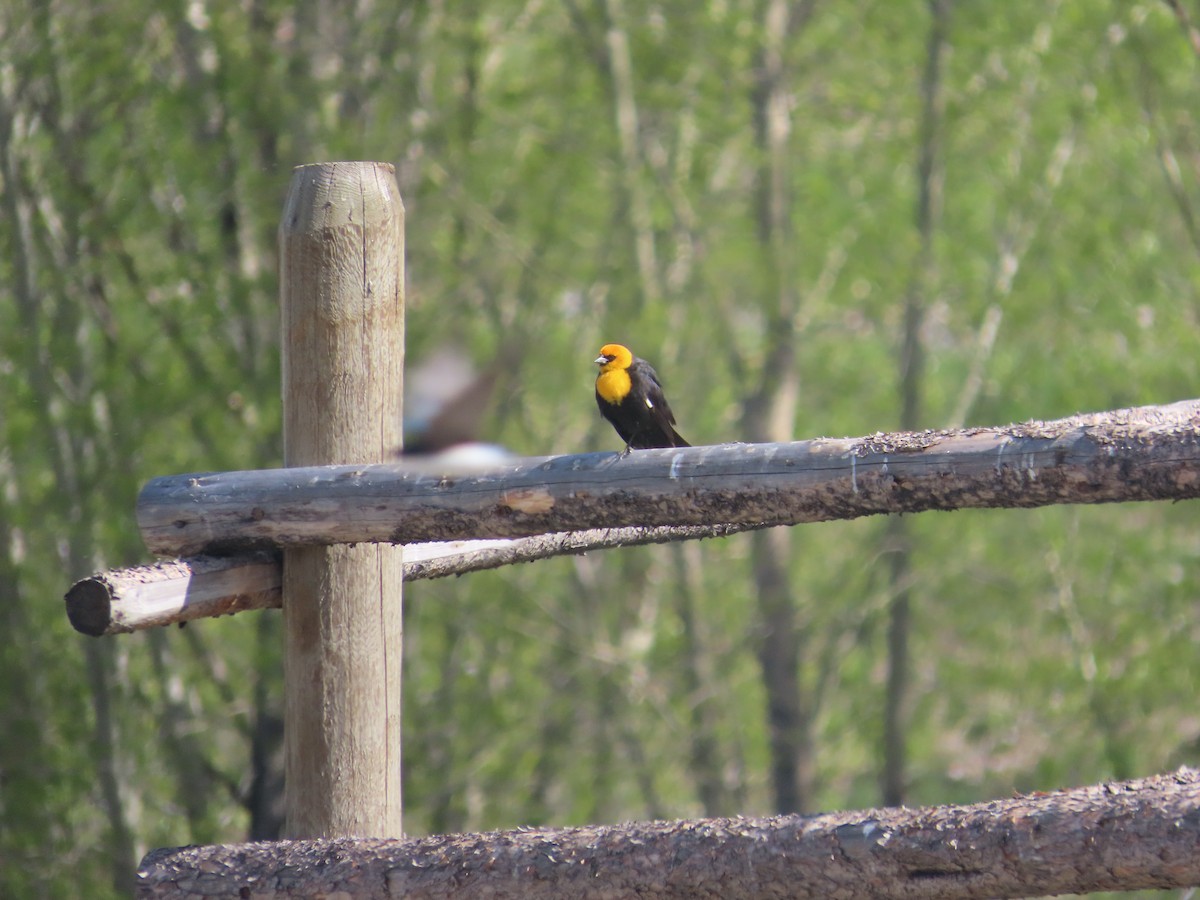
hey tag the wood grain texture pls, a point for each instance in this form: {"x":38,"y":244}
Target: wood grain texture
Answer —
{"x":1122,"y":836}
{"x":120,"y":601}
{"x":1148,"y":453}
{"x":341,"y":244}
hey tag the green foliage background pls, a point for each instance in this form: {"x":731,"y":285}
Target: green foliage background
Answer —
{"x":144,"y":155}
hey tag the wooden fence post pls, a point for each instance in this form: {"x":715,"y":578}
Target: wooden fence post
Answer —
{"x":341,"y":244}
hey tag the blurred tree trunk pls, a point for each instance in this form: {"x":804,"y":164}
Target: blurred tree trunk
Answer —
{"x":625,"y":112}
{"x":119,"y":840}
{"x":897,"y":538}
{"x":264,"y":798}
{"x":701,"y":686}
{"x":769,"y":414}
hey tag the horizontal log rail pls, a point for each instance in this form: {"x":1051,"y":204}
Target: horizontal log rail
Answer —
{"x":1146,"y":453}
{"x":1121,"y":836}
{"x":171,"y":592}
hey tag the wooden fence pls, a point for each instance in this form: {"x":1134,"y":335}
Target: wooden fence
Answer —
{"x":323,"y":539}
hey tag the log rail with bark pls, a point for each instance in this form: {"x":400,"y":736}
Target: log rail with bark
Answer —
{"x":170,"y":592}
{"x":1147,"y":453}
{"x":1133,"y":835}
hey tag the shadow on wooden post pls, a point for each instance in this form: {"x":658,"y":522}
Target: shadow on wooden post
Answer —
{"x":341,"y":244}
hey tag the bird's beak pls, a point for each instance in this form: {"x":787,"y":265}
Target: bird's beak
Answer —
{"x":600,"y":360}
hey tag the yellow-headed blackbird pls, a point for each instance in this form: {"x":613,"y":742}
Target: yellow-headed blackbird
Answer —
{"x":631,"y":398}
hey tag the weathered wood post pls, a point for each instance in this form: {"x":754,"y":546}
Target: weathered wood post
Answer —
{"x":341,"y":246}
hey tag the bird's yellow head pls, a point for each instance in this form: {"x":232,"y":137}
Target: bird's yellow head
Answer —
{"x":613,"y":357}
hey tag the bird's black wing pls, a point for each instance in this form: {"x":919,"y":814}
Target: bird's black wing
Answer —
{"x":643,"y":376}
{"x":644,"y":373}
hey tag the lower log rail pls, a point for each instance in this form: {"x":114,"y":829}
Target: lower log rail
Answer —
{"x":1131,"y":835}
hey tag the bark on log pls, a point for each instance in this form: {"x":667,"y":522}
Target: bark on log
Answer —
{"x":1134,"y":835}
{"x":121,"y":601}
{"x":1148,"y":453}
{"x":125,"y":600}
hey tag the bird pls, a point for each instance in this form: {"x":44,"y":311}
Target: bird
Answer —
{"x":630,"y":397}
{"x":446,"y":400}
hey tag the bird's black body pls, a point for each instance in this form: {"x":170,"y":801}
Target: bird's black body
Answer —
{"x":630,"y":397}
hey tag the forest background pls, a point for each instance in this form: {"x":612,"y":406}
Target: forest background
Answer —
{"x":815,"y":218}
